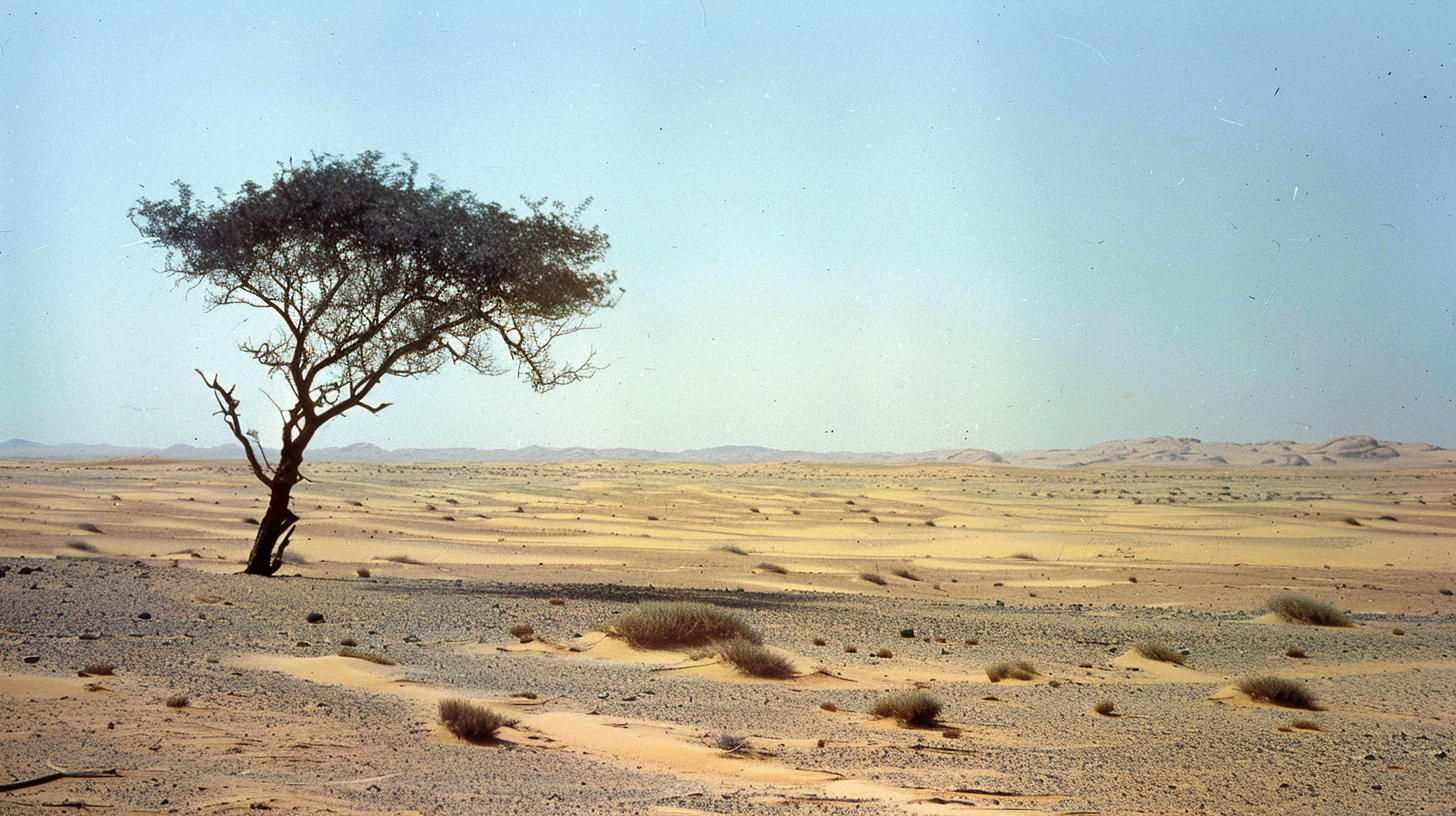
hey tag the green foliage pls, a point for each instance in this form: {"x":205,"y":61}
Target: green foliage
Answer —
{"x":1298,"y":609}
{"x":662,"y":625}
{"x":909,"y":707}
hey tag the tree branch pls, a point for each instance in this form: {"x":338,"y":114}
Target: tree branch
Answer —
{"x":228,"y":408}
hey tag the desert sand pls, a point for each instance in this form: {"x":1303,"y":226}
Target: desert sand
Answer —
{"x":950,"y":568}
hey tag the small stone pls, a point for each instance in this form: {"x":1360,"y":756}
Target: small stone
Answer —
{"x":907,"y":633}
{"x":602,"y":695}
{"x":411,"y":638}
{"x":314,"y":617}
{"x":31,"y":658}
{"x":144,"y":616}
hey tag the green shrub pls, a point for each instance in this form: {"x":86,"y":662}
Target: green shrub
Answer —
{"x":1297,"y":609}
{"x":1153,"y":650}
{"x":754,"y":660}
{"x":471,"y":722}
{"x":663,"y":625}
{"x":1278,"y":691}
{"x":909,"y":707}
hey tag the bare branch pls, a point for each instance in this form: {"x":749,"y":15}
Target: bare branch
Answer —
{"x":228,"y":409}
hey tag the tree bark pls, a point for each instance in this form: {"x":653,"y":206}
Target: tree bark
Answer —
{"x":276,"y":527}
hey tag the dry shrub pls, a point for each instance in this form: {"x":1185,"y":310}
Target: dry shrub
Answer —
{"x":851,"y":649}
{"x":179,"y":701}
{"x":905,"y":573}
{"x":348,"y":641}
{"x":827,"y":706}
{"x":1297,"y":609}
{"x":973,"y":641}
{"x":885,"y":653}
{"x":917,"y":707}
{"x":360,"y":654}
{"x":1278,"y":691}
{"x":774,"y":568}
{"x":98,"y":669}
{"x":873,"y":577}
{"x":557,"y":602}
{"x":80,"y":546}
{"x":732,"y":548}
{"x":1011,"y":670}
{"x":89,"y":527}
{"x":1397,"y":631}
{"x":1105,"y":708}
{"x":362,"y":572}
{"x":663,"y":625}
{"x":399,"y":559}
{"x":1022,"y":556}
{"x":522,"y":632}
{"x":1153,"y":650}
{"x":950,"y":733}
{"x":471,"y":722}
{"x":754,"y":660}
{"x":1305,"y":725}
{"x":819,"y":641}
{"x":729,"y":742}
{"x":1296,"y":653}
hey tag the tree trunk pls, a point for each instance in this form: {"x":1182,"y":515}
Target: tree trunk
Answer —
{"x":277,"y":525}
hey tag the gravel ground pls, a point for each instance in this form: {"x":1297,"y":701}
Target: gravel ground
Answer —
{"x":271,"y":738}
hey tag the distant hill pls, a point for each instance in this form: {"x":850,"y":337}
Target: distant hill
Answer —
{"x":1160,"y":451}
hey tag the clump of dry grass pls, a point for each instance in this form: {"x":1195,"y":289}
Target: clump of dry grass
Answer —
{"x":754,"y":660}
{"x":884,"y":653}
{"x":557,"y":602}
{"x":362,"y":572}
{"x":523,"y":632}
{"x":1024,"y":556}
{"x":851,"y":649}
{"x":819,"y":641}
{"x":472,"y":722}
{"x":973,"y":641}
{"x":828,"y":706}
{"x":732,"y":548}
{"x":905,"y":573}
{"x":1278,"y":691}
{"x":664,"y":625}
{"x":399,"y":559}
{"x":360,"y":654}
{"x":348,"y":641}
{"x":1397,"y":631}
{"x":1297,"y":609}
{"x":729,"y":742}
{"x":178,"y":701}
{"x":1105,"y":707}
{"x":1305,"y":725}
{"x":89,"y":527}
{"x":873,"y":577}
{"x":1011,"y":670}
{"x":98,"y":669}
{"x":918,"y":708}
{"x":1153,"y":650}
{"x":80,"y":546}
{"x":1295,"y":653}
{"x":771,"y":567}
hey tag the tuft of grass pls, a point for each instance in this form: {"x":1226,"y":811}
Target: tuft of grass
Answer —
{"x":1132,"y":579}
{"x":1278,"y":691}
{"x":726,"y":741}
{"x":1024,"y":556}
{"x":1011,"y":670}
{"x":399,"y":559}
{"x":362,"y":572}
{"x":905,"y":573}
{"x":98,"y":669}
{"x":819,"y":641}
{"x":348,"y":641}
{"x":1397,"y":631}
{"x":973,"y":641}
{"x":885,"y":653}
{"x":918,"y":708}
{"x":828,"y":706}
{"x":1105,"y":707}
{"x":1445,"y":591}
{"x":1352,"y":521}
{"x":1298,"y":609}
{"x":732,"y":548}
{"x":1296,"y":653}
{"x":80,"y":546}
{"x":360,"y":654}
{"x":1153,"y":650}
{"x":557,"y":602}
{"x":89,"y":527}
{"x":951,"y":733}
{"x":770,"y":567}
{"x":522,"y":632}
{"x":664,"y":625}
{"x":472,"y":722}
{"x":754,"y":660}
{"x":178,"y":701}
{"x":851,"y":649}
{"x":1305,"y":725}
{"x":251,"y":520}
{"x":873,"y":577}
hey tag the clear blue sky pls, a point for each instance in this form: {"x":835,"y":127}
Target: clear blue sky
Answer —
{"x":839,"y":226}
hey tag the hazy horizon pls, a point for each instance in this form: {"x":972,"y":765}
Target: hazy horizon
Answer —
{"x":853,"y":228}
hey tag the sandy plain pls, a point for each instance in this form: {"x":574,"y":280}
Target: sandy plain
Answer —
{"x":133,"y":562}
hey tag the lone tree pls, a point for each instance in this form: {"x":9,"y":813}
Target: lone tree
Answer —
{"x":369,"y":275}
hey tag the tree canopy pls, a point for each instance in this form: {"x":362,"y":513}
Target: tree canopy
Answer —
{"x":369,"y":274}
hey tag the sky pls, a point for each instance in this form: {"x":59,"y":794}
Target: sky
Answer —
{"x":837,"y":226}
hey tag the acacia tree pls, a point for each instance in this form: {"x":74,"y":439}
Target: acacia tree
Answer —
{"x":367,"y":275}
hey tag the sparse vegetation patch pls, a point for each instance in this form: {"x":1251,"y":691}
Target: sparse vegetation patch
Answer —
{"x":905,"y":573}
{"x":771,"y":567}
{"x":754,"y":660}
{"x":360,"y":654}
{"x":873,"y":577}
{"x":1011,"y":670}
{"x":664,"y":625}
{"x":918,"y":708}
{"x":1298,"y":609}
{"x":1153,"y":650}
{"x":1278,"y":691}
{"x":472,"y":722}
